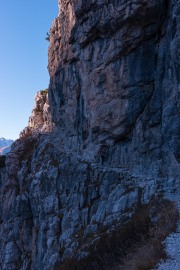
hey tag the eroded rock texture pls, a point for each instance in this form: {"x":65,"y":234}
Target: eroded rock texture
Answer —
{"x":40,"y":120}
{"x":114,"y":98}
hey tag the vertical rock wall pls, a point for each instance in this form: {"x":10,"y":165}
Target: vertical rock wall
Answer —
{"x":114,"y":102}
{"x":114,"y":81}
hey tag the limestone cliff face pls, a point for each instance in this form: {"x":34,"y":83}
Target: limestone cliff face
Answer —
{"x":114,"y":70}
{"x":114,"y":102}
{"x":40,"y":121}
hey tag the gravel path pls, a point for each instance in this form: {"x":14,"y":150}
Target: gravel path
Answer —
{"x":172,"y":248}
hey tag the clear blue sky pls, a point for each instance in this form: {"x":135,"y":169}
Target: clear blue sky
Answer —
{"x":23,"y":59}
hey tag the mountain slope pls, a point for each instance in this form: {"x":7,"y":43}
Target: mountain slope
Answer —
{"x":5,"y":145}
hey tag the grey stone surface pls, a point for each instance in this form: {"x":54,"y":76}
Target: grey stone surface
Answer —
{"x":111,"y":141}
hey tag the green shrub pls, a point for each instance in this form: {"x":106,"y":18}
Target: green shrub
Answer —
{"x":36,"y":110}
{"x":44,"y":92}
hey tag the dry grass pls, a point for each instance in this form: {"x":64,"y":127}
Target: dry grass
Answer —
{"x":144,"y":257}
{"x":150,"y":250}
{"x":137,"y":245}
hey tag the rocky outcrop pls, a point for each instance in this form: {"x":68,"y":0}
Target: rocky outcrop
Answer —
{"x":40,"y":120}
{"x":114,"y":101}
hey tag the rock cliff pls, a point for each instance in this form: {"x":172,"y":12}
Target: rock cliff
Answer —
{"x":40,"y":121}
{"x":114,"y":139}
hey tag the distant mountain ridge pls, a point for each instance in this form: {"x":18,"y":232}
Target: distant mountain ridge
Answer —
{"x":5,"y":145}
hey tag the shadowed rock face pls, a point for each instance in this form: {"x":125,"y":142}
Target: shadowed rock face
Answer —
{"x":114,"y":99}
{"x":114,"y":80}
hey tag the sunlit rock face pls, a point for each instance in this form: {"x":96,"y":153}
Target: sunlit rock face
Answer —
{"x":40,"y":119}
{"x":113,"y":100}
